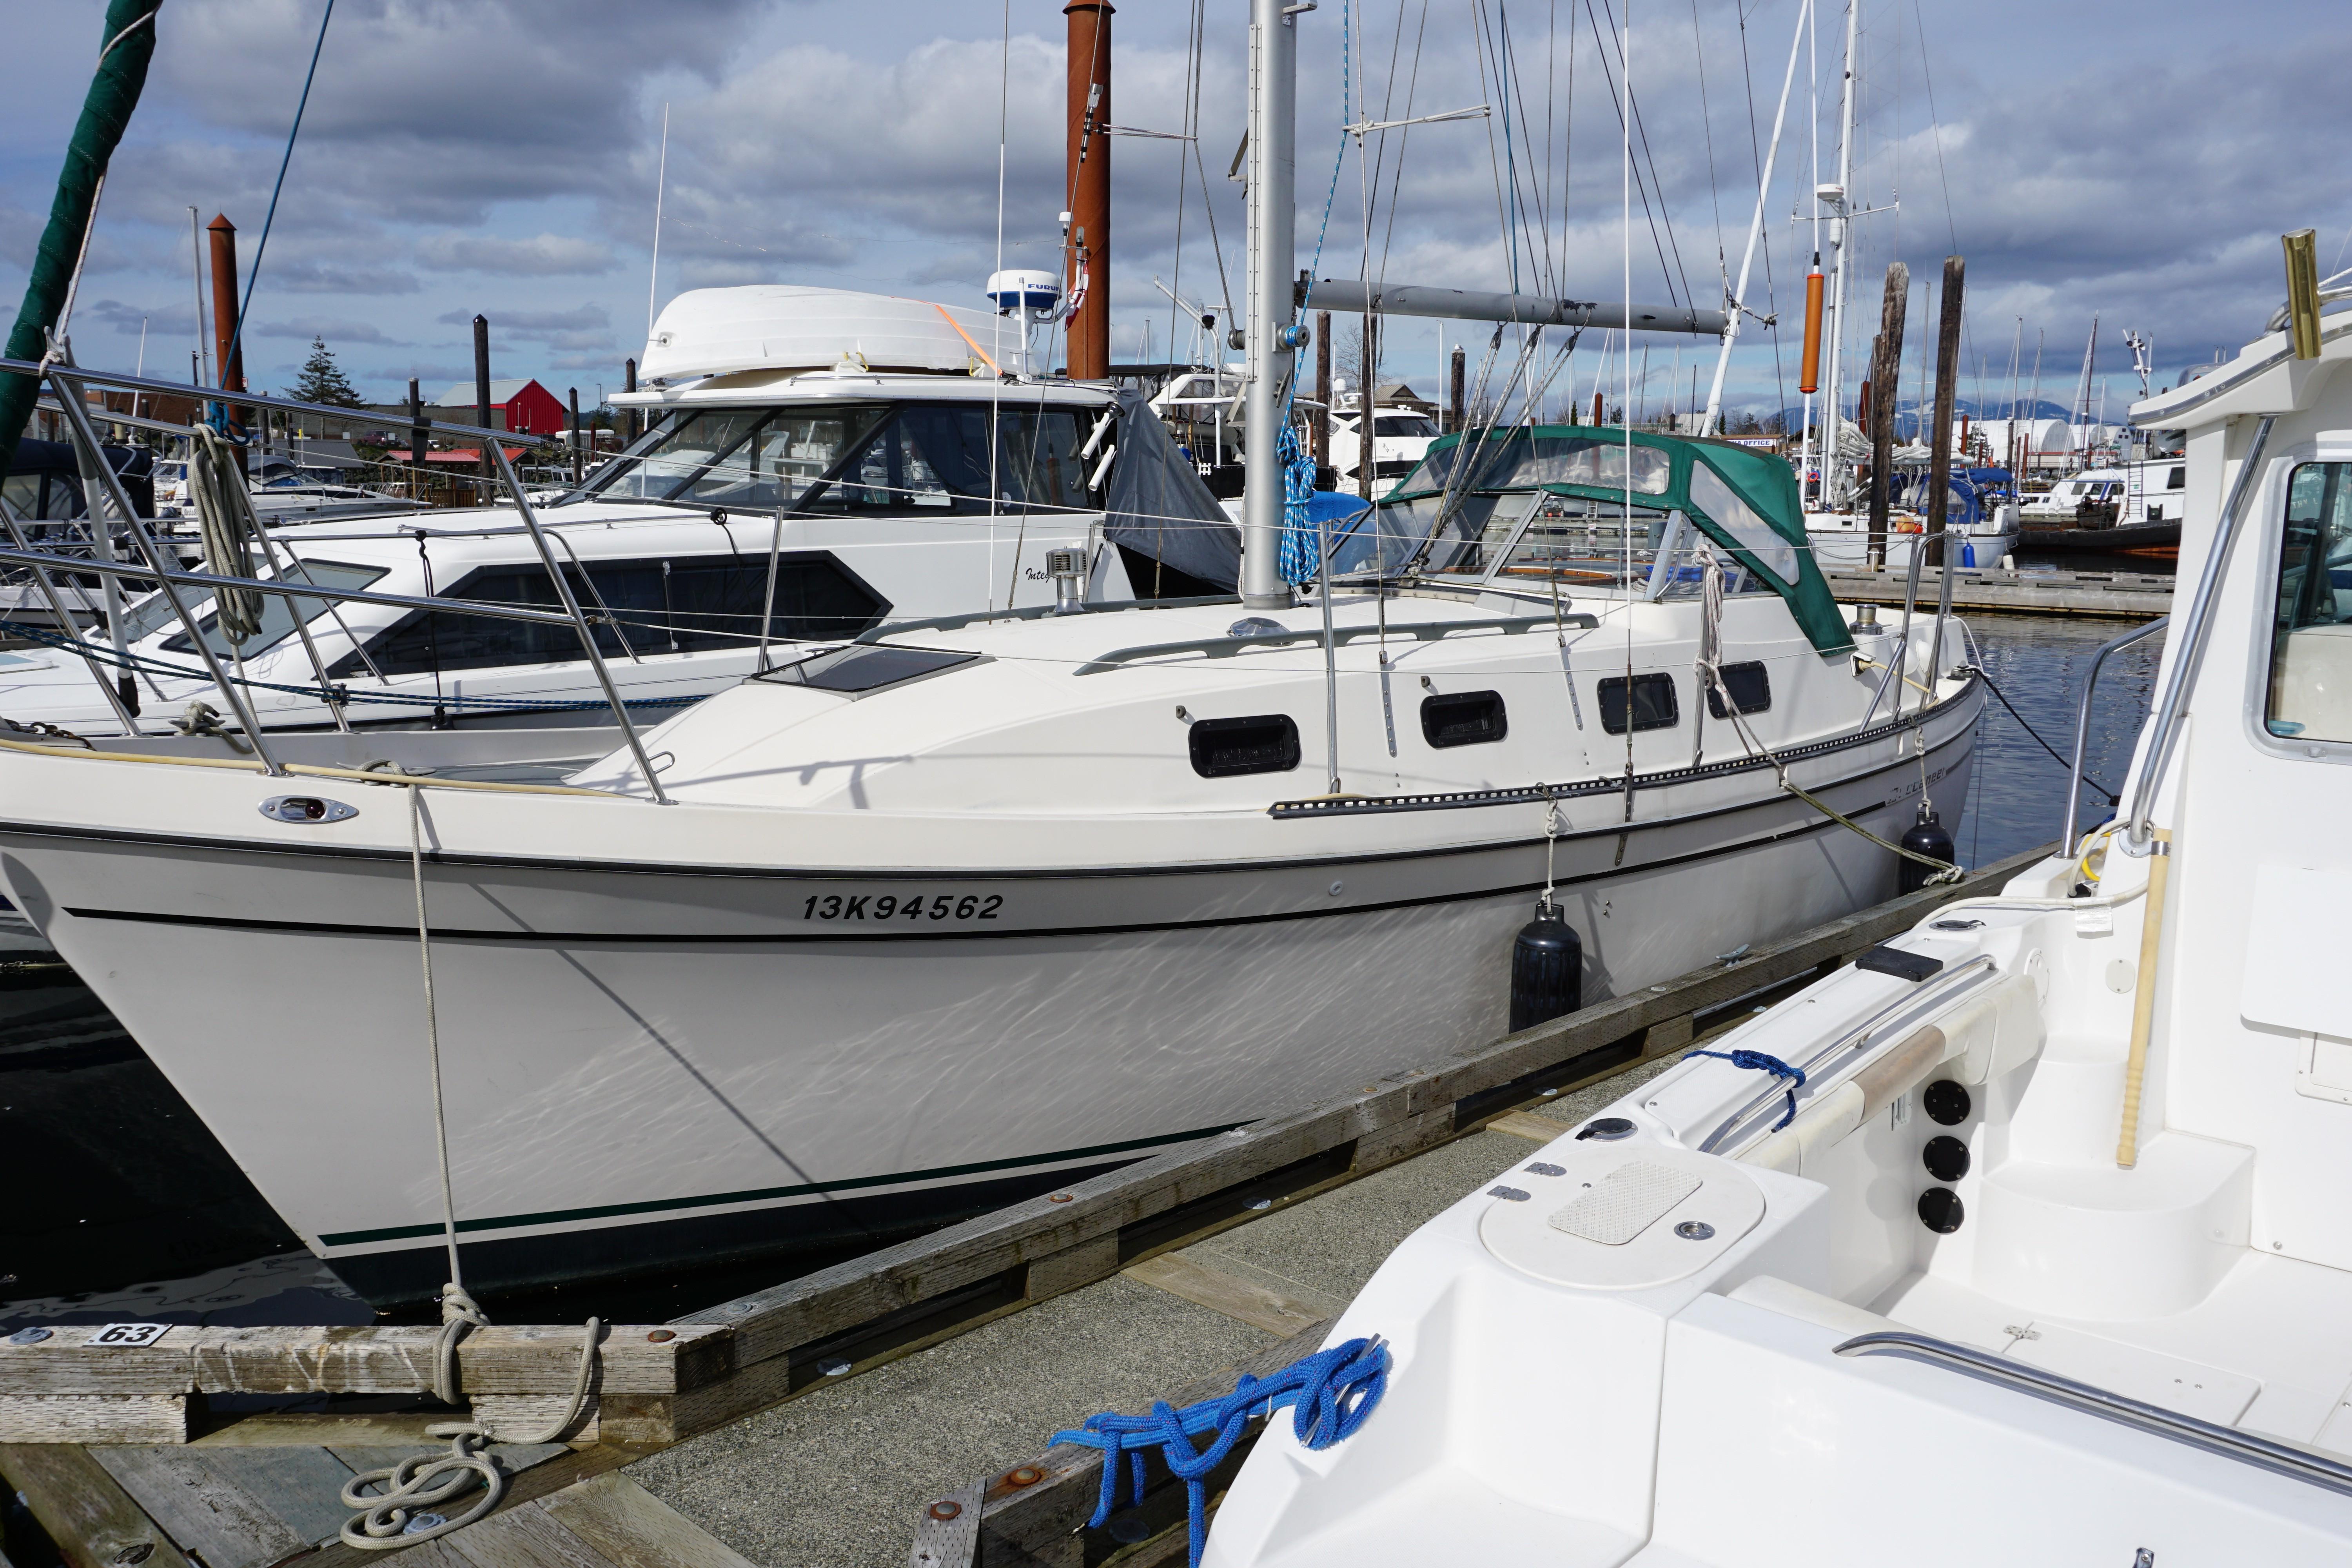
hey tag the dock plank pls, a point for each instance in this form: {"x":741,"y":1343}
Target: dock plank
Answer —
{"x":84,"y":1511}
{"x":208,"y":1514}
{"x":633,"y":1529}
{"x":564,"y":1469}
{"x":524,"y":1537}
{"x":1254,"y":1304}
{"x":310,"y":1429}
{"x":303,"y":1487}
{"x":1529,"y":1125}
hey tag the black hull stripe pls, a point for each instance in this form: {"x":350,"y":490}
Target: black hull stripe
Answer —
{"x":854,"y":934}
{"x":764,"y":1194}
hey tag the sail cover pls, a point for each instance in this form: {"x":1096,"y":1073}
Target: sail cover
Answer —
{"x":1157,"y":505}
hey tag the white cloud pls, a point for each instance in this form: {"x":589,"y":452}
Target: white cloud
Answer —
{"x":542,"y":255}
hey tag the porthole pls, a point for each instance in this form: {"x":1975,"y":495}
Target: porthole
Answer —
{"x":1652,"y":703}
{"x":1463,"y":718}
{"x":1751,"y":685}
{"x":1223,"y":748}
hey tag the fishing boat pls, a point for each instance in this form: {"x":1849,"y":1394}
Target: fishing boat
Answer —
{"x":2133,"y":508}
{"x":2034,"y":1207}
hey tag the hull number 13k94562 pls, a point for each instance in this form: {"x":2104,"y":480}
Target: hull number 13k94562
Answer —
{"x":908,"y":907}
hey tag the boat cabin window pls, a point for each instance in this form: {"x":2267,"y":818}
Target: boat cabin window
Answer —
{"x":868,"y":457}
{"x":693,"y":605}
{"x":1223,"y":748}
{"x":2311,"y":637}
{"x":1463,"y":718}
{"x":2177,"y":479}
{"x":153,"y":613}
{"x":1654,"y":705}
{"x":866,"y":668}
{"x":1400,"y":425}
{"x":1751,"y":685}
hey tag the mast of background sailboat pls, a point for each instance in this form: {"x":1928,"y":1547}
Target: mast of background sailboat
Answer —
{"x":1840,"y":224}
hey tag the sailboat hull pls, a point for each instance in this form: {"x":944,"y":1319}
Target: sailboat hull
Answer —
{"x":651,"y":1067}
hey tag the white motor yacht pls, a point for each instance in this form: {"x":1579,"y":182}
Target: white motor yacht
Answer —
{"x":950,"y":913}
{"x":2020,"y":1241}
{"x":888,"y":483}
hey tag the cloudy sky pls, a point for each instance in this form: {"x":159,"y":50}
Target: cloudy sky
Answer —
{"x":2134,"y":160}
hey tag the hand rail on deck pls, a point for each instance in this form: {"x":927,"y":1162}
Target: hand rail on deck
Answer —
{"x":2246,"y":1447}
{"x":2066,"y":845}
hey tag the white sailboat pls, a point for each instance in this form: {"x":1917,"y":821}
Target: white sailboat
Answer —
{"x":2019,"y":1241}
{"x":910,"y":927}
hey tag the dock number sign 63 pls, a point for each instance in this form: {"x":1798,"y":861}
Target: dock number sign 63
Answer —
{"x":128,"y":1335}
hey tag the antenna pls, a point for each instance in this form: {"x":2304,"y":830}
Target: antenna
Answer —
{"x":661,"y":180}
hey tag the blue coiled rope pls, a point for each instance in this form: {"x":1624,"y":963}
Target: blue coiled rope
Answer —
{"x":1757,"y":1062}
{"x":1331,"y":1394}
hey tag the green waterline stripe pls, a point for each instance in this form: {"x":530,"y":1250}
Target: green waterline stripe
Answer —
{"x":656,"y":1206}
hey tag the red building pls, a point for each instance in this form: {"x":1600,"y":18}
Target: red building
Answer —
{"x":523,"y":406}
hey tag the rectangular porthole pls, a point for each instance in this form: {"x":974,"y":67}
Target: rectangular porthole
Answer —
{"x":1654,"y":705}
{"x":1463,"y":718}
{"x":1751,"y":685}
{"x":1265,"y":743}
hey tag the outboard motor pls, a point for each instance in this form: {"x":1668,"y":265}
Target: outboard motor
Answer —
{"x":1927,"y":836}
{"x":1547,"y":969}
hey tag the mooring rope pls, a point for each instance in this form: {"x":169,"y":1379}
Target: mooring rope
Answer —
{"x":1331,"y":1394}
{"x":394,"y":1504}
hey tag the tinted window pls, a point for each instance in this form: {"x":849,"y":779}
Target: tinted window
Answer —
{"x":693,"y":605}
{"x":2311,"y":634}
{"x":1654,"y":703}
{"x":1221,"y":747}
{"x":276,"y":621}
{"x":866,"y":668}
{"x":1463,"y":718}
{"x":1751,"y":686}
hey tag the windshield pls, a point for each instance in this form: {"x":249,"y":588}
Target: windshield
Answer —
{"x":153,"y":613}
{"x":912,"y":458}
{"x":1402,"y":424}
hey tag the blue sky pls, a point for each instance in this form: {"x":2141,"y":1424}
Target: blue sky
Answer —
{"x":2137,"y":161}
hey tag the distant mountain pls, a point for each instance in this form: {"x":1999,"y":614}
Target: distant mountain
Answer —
{"x":1907,"y":413}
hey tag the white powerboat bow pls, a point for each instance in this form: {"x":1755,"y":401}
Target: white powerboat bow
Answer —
{"x":2020,"y":1240}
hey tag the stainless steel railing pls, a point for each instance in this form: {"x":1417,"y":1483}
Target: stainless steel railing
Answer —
{"x":2246,"y":1447}
{"x":2083,"y":727}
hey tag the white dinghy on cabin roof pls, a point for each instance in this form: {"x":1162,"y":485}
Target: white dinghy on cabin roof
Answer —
{"x":2044,"y":1260}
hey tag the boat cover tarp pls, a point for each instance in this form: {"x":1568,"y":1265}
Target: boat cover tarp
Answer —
{"x":1157,"y":505}
{"x":1745,"y":500}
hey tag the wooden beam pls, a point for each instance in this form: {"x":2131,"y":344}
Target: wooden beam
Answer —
{"x":206,"y":1513}
{"x":1251,"y":1303}
{"x":1529,"y":1125}
{"x":631,"y":1528}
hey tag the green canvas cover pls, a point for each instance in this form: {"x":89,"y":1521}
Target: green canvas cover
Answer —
{"x":1745,"y":500}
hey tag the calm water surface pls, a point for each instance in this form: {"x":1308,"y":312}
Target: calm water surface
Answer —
{"x":125,"y":1209}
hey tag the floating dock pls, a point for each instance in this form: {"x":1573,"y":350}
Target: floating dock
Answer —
{"x":896,"y":1404}
{"x":2112,"y":595}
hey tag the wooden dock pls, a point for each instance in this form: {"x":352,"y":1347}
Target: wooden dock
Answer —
{"x":699,"y":1444}
{"x":2115,"y":595}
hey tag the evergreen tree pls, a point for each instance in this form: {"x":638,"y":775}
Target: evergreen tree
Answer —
{"x":322,"y":380}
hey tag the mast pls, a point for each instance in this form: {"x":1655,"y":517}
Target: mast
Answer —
{"x":1088,"y":335}
{"x":127,"y":42}
{"x":2081,"y":413}
{"x":1269,"y":338}
{"x":1735,"y":306}
{"x":1840,"y":202}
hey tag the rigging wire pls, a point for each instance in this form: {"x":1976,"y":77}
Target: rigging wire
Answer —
{"x":254,"y":275}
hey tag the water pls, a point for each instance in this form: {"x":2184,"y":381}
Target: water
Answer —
{"x":127,"y":1210}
